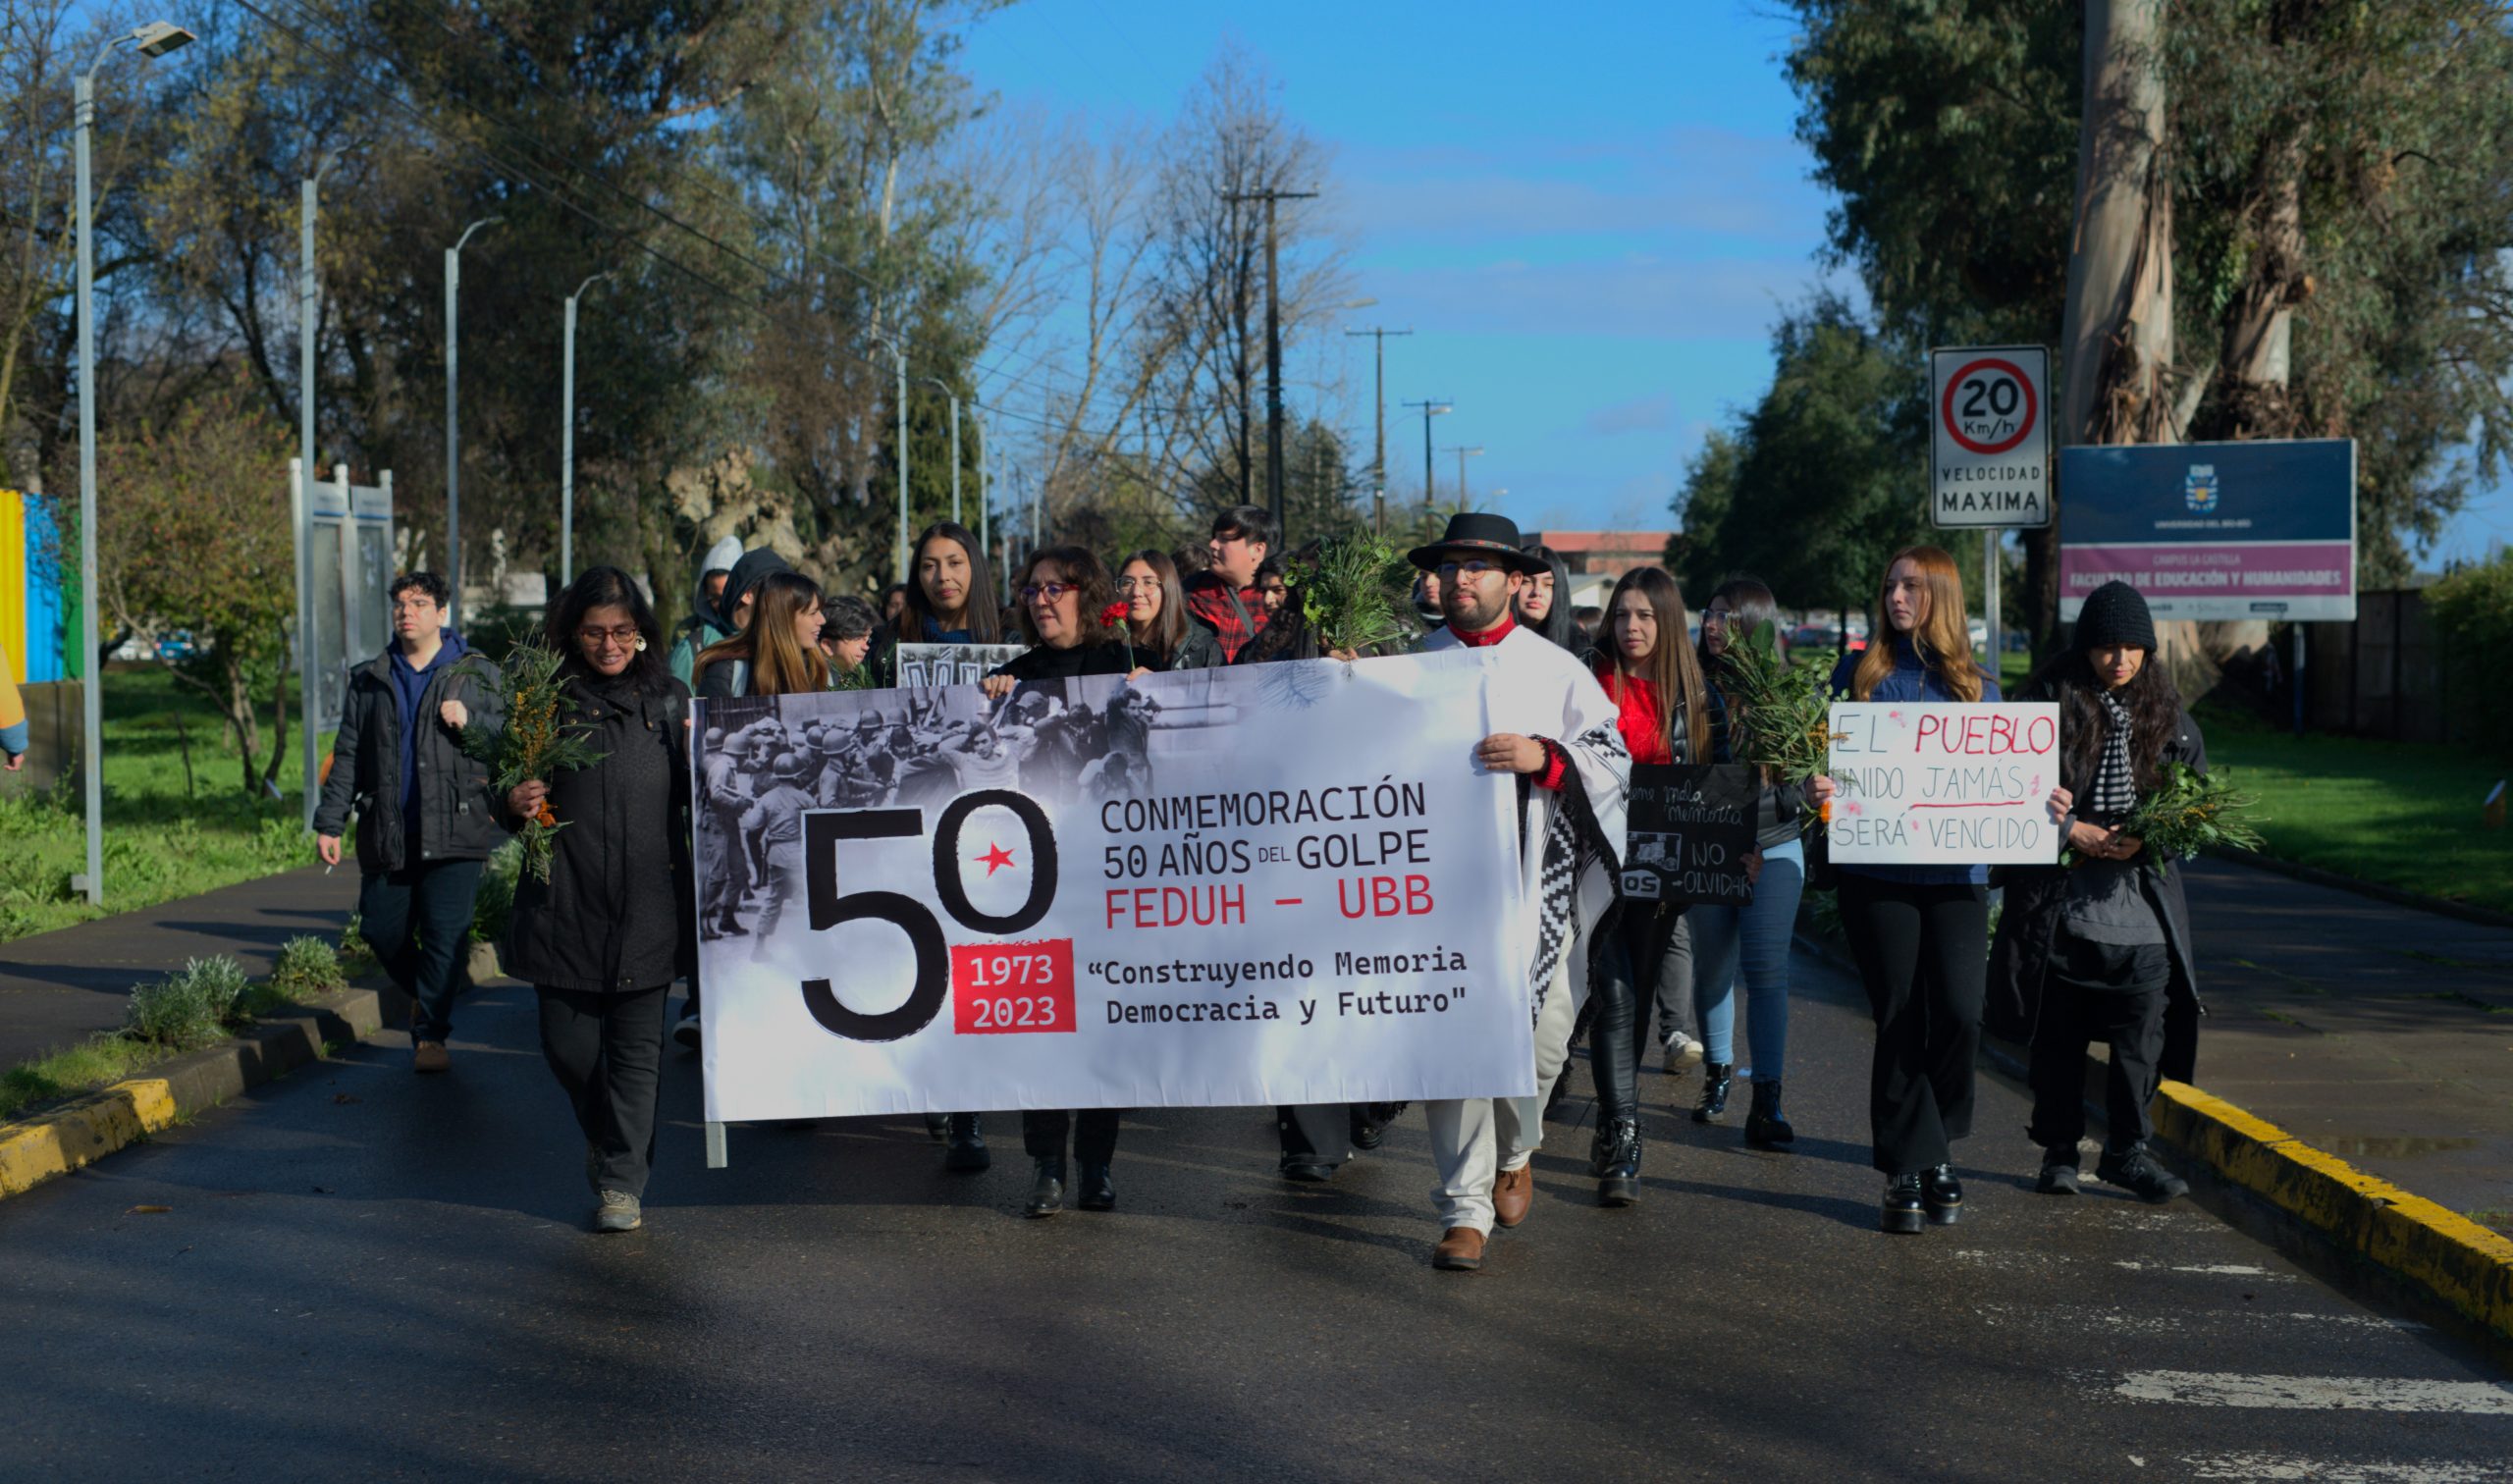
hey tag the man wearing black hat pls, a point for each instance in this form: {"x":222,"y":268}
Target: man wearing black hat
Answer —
{"x":1561,"y":742}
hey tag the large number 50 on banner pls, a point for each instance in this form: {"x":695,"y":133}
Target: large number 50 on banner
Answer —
{"x":1281,"y":885}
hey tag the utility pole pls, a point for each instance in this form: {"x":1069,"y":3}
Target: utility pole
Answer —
{"x":898,"y":359}
{"x":1462,"y":454}
{"x":452,"y":439}
{"x":1430,"y":410}
{"x":1378,"y":460}
{"x":301,"y":500}
{"x":1274,"y":355}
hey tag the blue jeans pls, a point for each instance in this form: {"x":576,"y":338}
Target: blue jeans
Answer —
{"x":418,"y":921}
{"x":1758,"y":935}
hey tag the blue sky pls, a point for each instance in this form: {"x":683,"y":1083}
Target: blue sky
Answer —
{"x":1589,"y":219}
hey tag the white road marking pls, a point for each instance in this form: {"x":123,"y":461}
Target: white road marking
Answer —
{"x":2318,"y":1393}
{"x":2216,"y":1269}
{"x":2258,"y":1465}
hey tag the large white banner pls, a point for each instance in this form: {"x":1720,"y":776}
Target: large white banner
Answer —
{"x":1287,"y":883}
{"x":1944,"y":784}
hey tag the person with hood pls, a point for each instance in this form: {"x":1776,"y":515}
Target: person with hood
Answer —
{"x":706,"y":624}
{"x":2100,"y":949}
{"x":1558,"y":732}
{"x":427,"y":816}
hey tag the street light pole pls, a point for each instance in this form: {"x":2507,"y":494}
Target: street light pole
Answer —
{"x":300,"y":496}
{"x":985,"y":450}
{"x":1378,"y":401}
{"x":1274,"y":355}
{"x":1435,"y":408}
{"x":155,"y":40}
{"x":1462,"y":454}
{"x":452,"y":439}
{"x":898,"y":358}
{"x":567,"y":438}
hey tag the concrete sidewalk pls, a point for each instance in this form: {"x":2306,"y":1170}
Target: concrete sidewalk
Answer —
{"x":2379,"y":1034}
{"x":57,"y":987}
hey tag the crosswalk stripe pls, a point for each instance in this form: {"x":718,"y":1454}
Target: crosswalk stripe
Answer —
{"x":2318,"y":1393}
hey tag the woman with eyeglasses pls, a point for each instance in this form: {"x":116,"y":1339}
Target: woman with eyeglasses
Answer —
{"x":1062,"y":592}
{"x":1920,"y":934}
{"x":1164,"y":638}
{"x":1749,"y":941}
{"x":949,"y":599}
{"x":602,"y":938}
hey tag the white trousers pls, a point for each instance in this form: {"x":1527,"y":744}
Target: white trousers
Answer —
{"x":1473,"y":1139}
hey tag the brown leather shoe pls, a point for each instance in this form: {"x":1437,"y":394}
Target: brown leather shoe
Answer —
{"x":1512,"y":1194}
{"x":431,"y":1057}
{"x":1461,"y":1250}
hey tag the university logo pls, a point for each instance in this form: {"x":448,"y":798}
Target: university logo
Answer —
{"x":2199,"y":489}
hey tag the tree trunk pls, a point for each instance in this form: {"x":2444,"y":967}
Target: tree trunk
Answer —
{"x":2116,"y":337}
{"x":2259,"y":325}
{"x":278,"y":728}
{"x":241,"y":717}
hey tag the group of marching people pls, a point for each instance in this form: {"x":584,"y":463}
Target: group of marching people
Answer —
{"x":2094,"y":950}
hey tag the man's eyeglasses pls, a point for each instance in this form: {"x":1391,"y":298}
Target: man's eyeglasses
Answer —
{"x":1051,"y":591}
{"x":624,"y":636}
{"x":1473,"y":566}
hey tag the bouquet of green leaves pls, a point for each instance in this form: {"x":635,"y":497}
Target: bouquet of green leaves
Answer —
{"x":535,"y":745}
{"x":1781,"y":715}
{"x":1354,"y":593}
{"x":2187,"y":813}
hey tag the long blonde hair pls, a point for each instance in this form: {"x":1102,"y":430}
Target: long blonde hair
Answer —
{"x":1941,"y":637}
{"x":781,"y":665}
{"x":1672,"y":665}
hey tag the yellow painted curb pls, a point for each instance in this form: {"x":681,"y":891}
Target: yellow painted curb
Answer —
{"x":2461,"y":1262}
{"x":79,"y":1133}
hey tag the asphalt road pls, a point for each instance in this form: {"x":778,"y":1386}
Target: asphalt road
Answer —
{"x":361,"y":1274}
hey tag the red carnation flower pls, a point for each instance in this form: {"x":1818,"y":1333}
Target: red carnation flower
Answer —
{"x":1112,"y":615}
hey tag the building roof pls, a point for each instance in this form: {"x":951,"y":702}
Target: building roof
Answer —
{"x":1639,"y":542}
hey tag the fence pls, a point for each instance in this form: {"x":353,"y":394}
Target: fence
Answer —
{"x":2379,"y":676}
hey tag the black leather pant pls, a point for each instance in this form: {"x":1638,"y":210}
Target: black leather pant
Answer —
{"x":1623,"y":965}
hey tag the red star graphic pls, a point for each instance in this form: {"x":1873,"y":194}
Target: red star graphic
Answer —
{"x":995,"y":857}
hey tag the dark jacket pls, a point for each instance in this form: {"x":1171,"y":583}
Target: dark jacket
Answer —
{"x":458,"y":812}
{"x":1106,"y":658}
{"x":1199,"y":650}
{"x":616,"y":912}
{"x":2036,"y":907}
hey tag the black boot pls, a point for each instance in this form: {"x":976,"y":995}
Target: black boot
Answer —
{"x":1098,"y":1191}
{"x":1618,"y":1171}
{"x":1047,"y":1193}
{"x":1944,"y":1195}
{"x":968,"y":1144}
{"x":1714,"y":1092}
{"x":1906,"y":1209}
{"x":1765,"y":1127}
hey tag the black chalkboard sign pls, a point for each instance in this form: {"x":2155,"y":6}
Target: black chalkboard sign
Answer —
{"x":1689,"y":830}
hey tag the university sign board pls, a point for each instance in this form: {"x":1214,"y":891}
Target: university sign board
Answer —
{"x":1990,"y":437}
{"x":2262,"y":529}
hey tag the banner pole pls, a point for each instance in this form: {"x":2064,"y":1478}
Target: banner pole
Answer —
{"x":715,"y":1145}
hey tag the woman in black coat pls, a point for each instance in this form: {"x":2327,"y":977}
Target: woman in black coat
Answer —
{"x":2100,"y":949}
{"x":602,"y":941}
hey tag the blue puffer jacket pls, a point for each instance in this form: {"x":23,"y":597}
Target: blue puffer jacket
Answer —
{"x":1911,"y":680}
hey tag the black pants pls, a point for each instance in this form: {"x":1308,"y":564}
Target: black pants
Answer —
{"x":1624,"y":980}
{"x":1095,"y":1134}
{"x":418,"y":920}
{"x":607,"y":1049}
{"x":1923,"y":954}
{"x":2116,"y":998}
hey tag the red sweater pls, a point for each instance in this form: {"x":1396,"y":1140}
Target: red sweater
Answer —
{"x":1641,"y":720}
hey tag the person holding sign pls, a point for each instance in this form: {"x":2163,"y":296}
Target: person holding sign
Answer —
{"x":1560,"y":737}
{"x":950,"y":601}
{"x":1163,"y":636}
{"x":1651,"y":674}
{"x":2100,"y":949}
{"x":1063,"y":592}
{"x":1749,"y":941}
{"x":1918,"y":932}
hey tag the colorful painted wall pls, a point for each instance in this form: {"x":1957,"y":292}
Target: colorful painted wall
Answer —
{"x":37,"y":601}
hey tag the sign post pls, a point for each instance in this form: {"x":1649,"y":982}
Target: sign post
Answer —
{"x":1990,"y":450}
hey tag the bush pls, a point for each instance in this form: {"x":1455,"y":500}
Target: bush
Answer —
{"x":495,"y":903}
{"x":2471,"y":613}
{"x":307,"y":966}
{"x":189,"y":1009}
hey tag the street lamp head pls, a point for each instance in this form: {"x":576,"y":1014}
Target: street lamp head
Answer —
{"x":159,"y":37}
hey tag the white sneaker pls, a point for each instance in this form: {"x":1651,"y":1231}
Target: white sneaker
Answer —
{"x":618,"y":1211}
{"x":1684,"y":1053}
{"x":684,"y":1031}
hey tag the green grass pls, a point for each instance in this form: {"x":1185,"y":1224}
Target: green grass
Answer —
{"x":163,"y":839}
{"x":96,"y":1062}
{"x":2401,"y":814}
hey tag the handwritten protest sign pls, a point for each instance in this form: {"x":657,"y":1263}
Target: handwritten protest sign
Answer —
{"x":1691,"y":827}
{"x":1926,"y":784}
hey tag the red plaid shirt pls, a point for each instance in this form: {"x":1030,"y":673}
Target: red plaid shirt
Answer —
{"x":1208,"y":602}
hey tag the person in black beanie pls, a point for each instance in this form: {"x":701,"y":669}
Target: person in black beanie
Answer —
{"x":2099,"y":948}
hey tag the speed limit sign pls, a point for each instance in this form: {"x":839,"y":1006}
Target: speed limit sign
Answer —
{"x":1990,"y":436}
